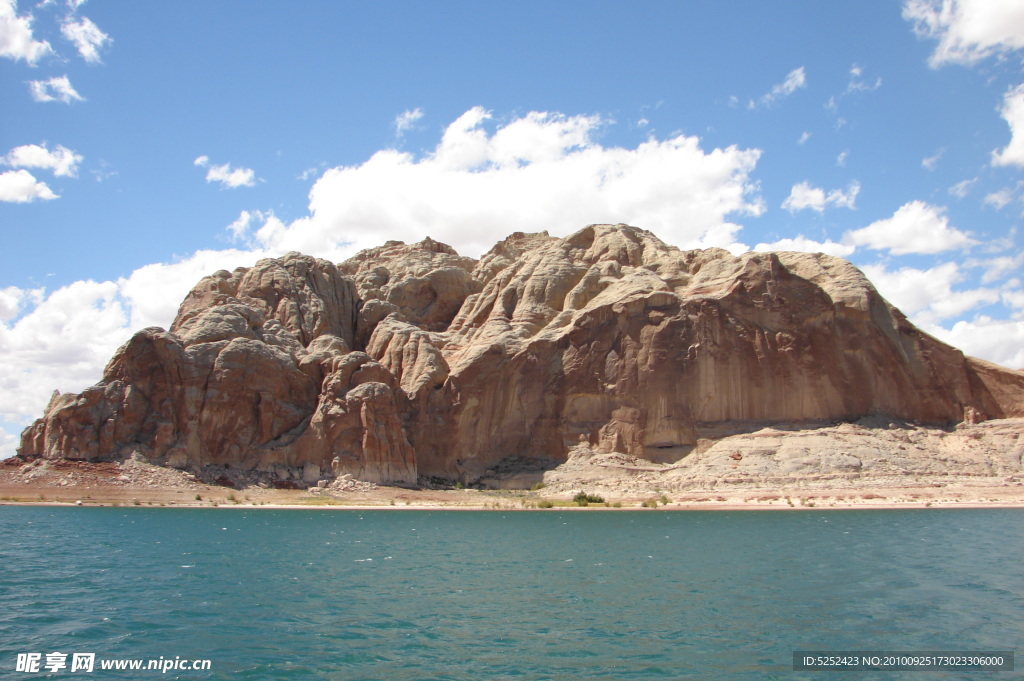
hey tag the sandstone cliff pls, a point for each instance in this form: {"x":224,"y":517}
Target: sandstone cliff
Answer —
{"x":410,"y":361}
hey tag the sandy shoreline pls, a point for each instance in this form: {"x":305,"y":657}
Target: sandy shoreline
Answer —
{"x":399,"y":499}
{"x":133,"y":484}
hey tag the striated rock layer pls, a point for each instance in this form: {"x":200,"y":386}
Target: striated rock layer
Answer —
{"x":410,"y":361}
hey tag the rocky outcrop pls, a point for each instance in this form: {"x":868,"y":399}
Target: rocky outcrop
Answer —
{"x":410,"y":361}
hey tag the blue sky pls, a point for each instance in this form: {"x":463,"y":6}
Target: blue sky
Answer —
{"x":143,"y":145}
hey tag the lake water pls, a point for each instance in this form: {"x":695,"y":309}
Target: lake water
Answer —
{"x":411,"y":595}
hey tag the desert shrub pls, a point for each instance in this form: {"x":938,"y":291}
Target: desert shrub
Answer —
{"x":584,"y":499}
{"x":544,"y":503}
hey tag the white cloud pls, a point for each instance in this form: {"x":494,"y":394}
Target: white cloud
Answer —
{"x":795,"y":79}
{"x":21,"y":186}
{"x":16,"y":41}
{"x":804,"y":137}
{"x":962,"y":188}
{"x":805,"y":245}
{"x":1012,"y":112}
{"x":1000,"y":341}
{"x":915,"y":227}
{"x":63,"y":340}
{"x":63,"y":343}
{"x":933,"y":160}
{"x":1013,"y":298}
{"x":226,"y":175}
{"x":241,"y":229}
{"x":841,"y":159}
{"x":8,"y":444}
{"x":539,"y":171}
{"x":1000,"y":199}
{"x":86,"y":36}
{"x":859,"y":84}
{"x":57,"y":89}
{"x":967,"y":30}
{"x":406,"y":120}
{"x":11,"y":300}
{"x":152,"y":293}
{"x":804,"y":195}
{"x":231,"y":177}
{"x":928,"y":296}
{"x":994,"y":269}
{"x":62,"y":161}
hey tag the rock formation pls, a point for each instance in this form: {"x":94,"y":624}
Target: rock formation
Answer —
{"x":409,"y":361}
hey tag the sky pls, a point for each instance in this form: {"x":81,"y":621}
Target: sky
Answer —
{"x":144,"y":145}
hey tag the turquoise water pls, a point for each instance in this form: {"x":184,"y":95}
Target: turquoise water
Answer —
{"x":410,"y":595}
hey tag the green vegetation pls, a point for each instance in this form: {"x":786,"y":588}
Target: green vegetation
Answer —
{"x":537,"y":486}
{"x":545,"y":503}
{"x":584,"y":499}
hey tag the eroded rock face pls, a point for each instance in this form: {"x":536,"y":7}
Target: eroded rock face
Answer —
{"x":410,"y":360}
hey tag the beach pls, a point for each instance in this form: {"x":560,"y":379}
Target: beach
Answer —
{"x":137,"y":484}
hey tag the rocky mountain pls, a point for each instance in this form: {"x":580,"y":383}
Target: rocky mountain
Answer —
{"x":409,"y":361}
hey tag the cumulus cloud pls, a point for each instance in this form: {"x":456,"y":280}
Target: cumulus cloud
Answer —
{"x":1012,"y":112}
{"x":229,"y":177}
{"x":805,"y":196}
{"x":21,"y":186}
{"x":928,"y":295}
{"x":62,"y":161}
{"x":62,"y":339}
{"x":795,"y":79}
{"x":805,"y":245}
{"x":967,"y":30}
{"x":86,"y":37}
{"x":57,"y":89}
{"x":242,"y":228}
{"x":406,"y":120}
{"x":13,"y":298}
{"x":62,"y":343}
{"x":151,"y":294}
{"x":8,"y":444}
{"x":1000,"y":341}
{"x":16,"y":40}
{"x":915,"y":227}
{"x":538,"y":171}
